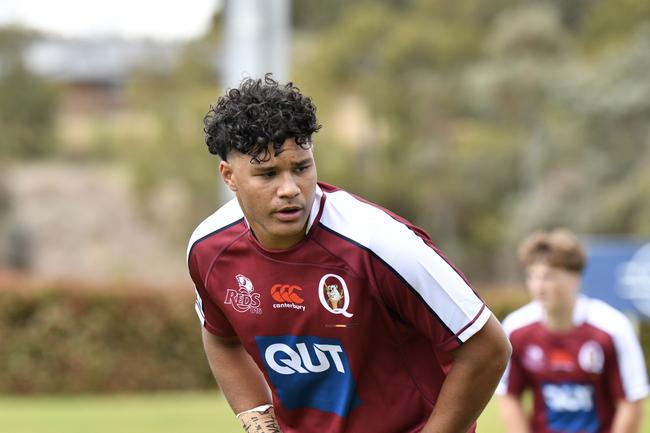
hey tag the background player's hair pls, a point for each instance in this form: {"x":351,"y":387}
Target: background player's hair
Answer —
{"x":258,"y":113}
{"x":560,"y":248}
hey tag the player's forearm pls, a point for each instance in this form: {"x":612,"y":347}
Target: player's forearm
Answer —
{"x":513,"y":415}
{"x":628,"y":417}
{"x":463,"y":397}
{"x":241,"y":382}
{"x":259,"y":420}
{"x":470,"y":384}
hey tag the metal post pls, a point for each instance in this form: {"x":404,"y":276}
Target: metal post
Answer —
{"x":256,"y":41}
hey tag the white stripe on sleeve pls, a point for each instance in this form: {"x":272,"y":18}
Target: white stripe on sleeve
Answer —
{"x":631,"y":364}
{"x":198,"y":307}
{"x":437,"y":282}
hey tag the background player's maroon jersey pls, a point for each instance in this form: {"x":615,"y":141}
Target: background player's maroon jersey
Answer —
{"x":576,"y":376}
{"x":353,"y":327}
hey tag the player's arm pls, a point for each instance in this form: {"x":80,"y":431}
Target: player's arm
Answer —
{"x":632,"y":376}
{"x":627,"y":418}
{"x":513,"y":414}
{"x":477,"y":368}
{"x":509,"y":391}
{"x":241,"y":382}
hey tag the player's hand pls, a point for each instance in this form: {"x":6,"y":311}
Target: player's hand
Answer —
{"x":259,"y":421}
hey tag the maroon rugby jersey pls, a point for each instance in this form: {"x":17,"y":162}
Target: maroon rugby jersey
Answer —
{"x":576,"y":376}
{"x":353,"y":327}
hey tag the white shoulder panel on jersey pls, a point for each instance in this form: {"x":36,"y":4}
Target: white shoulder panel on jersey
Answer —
{"x":631,"y":364}
{"x":226,"y":214}
{"x":437,"y":283}
{"x":524,"y":316}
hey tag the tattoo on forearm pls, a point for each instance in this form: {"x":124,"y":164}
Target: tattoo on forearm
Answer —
{"x":262,"y":422}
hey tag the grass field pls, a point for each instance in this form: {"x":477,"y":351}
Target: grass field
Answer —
{"x":147,"y":413}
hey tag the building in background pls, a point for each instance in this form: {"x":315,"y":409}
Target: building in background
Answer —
{"x":93,"y":72}
{"x":65,"y":218}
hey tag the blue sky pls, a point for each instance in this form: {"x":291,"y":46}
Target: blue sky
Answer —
{"x":167,"y":19}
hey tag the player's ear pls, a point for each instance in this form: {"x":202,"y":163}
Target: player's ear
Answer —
{"x":226,"y":170}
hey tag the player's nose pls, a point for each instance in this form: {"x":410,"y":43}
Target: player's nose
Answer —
{"x":288,"y":187}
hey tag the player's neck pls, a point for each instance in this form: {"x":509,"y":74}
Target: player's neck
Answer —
{"x":560,"y":319}
{"x":558,"y":324}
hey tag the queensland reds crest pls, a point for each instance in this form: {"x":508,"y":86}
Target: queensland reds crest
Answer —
{"x":244,"y":299}
{"x":334,"y":295}
{"x":534,"y":357}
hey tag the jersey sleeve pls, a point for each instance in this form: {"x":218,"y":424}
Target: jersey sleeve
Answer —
{"x":210,"y":315}
{"x":626,"y":372}
{"x":418,"y":284}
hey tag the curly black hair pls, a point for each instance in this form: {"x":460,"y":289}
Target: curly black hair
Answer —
{"x":258,"y":113}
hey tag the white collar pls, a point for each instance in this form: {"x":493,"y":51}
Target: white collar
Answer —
{"x":315,"y":207}
{"x":580,"y":309}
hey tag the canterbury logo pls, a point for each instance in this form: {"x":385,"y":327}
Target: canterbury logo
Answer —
{"x":287,"y":293}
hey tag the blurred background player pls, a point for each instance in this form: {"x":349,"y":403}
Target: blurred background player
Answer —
{"x":389,"y":337}
{"x":580,"y":357}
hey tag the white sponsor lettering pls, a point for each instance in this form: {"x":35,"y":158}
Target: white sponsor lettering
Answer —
{"x":285,"y":360}
{"x":568,"y":398}
{"x":287,"y":305}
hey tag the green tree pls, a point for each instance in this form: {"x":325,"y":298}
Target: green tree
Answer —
{"x":173,"y":154}
{"x":608,"y":24}
{"x":490,"y":118}
{"x":27,"y":103}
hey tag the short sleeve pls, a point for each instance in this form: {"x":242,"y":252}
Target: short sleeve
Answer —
{"x":626,"y":371}
{"x":409,"y":275}
{"x":419,"y":284}
{"x":210,"y":315}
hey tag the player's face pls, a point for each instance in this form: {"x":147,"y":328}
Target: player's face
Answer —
{"x":555,"y":288}
{"x":275,"y":195}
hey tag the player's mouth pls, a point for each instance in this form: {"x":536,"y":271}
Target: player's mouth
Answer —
{"x":289,"y":213}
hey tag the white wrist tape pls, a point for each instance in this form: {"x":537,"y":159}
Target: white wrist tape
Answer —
{"x":259,"y":409}
{"x":260,"y":419}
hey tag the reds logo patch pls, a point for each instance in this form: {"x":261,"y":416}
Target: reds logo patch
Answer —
{"x":243,"y":299}
{"x":533,"y":357}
